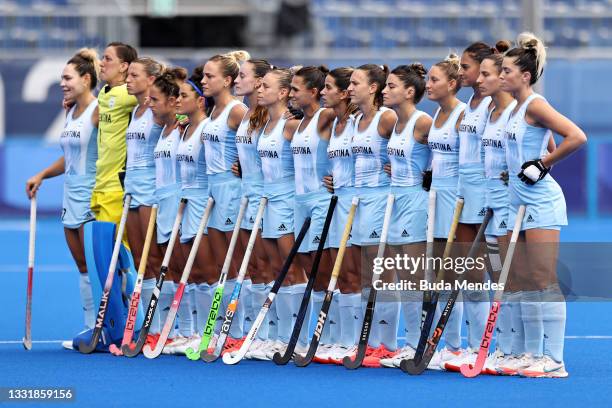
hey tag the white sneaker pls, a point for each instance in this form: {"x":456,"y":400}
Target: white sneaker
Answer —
{"x":262,"y":352}
{"x":441,"y":357}
{"x":337,"y":354}
{"x":300,"y":349}
{"x":544,"y":367}
{"x":467,"y":356}
{"x":513,"y":364}
{"x":255,"y":345}
{"x":67,"y":344}
{"x":494,"y":360}
{"x":278,"y":347}
{"x":192,"y":342}
{"x":178,"y":341}
{"x":405,"y":353}
{"x":322,"y":354}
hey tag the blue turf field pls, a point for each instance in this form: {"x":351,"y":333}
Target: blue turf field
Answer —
{"x":107,"y":381}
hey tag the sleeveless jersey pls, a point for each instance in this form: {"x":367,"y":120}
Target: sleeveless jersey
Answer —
{"x":409,"y":159}
{"x":523,"y":141}
{"x":246,"y":143}
{"x":275,"y":153}
{"x":340,"y":154}
{"x":471,"y":153}
{"x":191,"y":161}
{"x":166,"y":169}
{"x":309,"y":157}
{"x":141,"y":136}
{"x":444,"y":145}
{"x":220,"y":142}
{"x":114,"y":108}
{"x":78,"y":141}
{"x":370,"y":152}
{"x":494,"y":144}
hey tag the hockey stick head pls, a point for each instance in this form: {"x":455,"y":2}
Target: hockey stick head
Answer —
{"x":208,"y":357}
{"x":152,"y":353}
{"x":351,"y":363}
{"x":192,"y":354}
{"x":411,"y":367}
{"x":88,"y":348}
{"x":27,"y":344}
{"x":282,"y":359}
{"x":228,"y":359}
{"x":470,"y":370}
{"x":132,"y":349}
{"x":114,"y":350}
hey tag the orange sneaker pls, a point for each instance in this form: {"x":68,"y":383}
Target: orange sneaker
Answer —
{"x":373,"y":360}
{"x":152,"y":339}
{"x":232,"y":345}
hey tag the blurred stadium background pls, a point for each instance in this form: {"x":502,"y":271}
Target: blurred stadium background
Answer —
{"x":38,"y":36}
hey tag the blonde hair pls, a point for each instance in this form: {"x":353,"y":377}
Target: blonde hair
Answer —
{"x":151,"y":67}
{"x":230,"y":62}
{"x":86,"y":61}
{"x":530,"y":55}
{"x":450,"y":66}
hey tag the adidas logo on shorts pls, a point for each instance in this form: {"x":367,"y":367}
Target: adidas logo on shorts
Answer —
{"x":374,"y":234}
{"x":405,"y":234}
{"x":251,"y":219}
{"x":228,"y":221}
{"x":282,"y":227}
{"x":503,"y":224}
{"x":530,"y":218}
{"x":482,"y":212}
{"x":316,"y":239}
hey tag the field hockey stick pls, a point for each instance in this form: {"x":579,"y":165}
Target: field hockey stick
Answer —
{"x":132,"y":349}
{"x":27,"y":340}
{"x":87,"y":348}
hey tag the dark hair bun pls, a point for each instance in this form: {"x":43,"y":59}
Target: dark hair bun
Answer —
{"x":418,"y":69}
{"x":502,"y":46}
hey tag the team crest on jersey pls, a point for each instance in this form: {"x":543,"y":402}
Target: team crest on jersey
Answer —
{"x":111,"y":102}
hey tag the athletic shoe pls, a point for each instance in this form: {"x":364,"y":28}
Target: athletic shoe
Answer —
{"x":494,"y":360}
{"x":261,"y":353}
{"x":255,"y":345}
{"x":337,"y":354}
{"x":373,"y":360}
{"x":322,"y":354}
{"x":232,"y":345}
{"x":278,"y":346}
{"x":513,"y":364}
{"x":544,"y":367}
{"x":300,"y":349}
{"x":192,"y":342}
{"x":440,"y":357}
{"x":152,"y":339}
{"x":468,"y":356}
{"x":67,"y":344}
{"x":404,"y":353}
{"x":171,"y":344}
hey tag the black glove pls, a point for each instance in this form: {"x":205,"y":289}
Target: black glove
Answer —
{"x":297,"y":114}
{"x":533,"y":171}
{"x":426,"y":180}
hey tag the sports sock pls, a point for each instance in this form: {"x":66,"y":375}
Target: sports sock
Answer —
{"x":452,"y":332}
{"x":554,"y":315}
{"x":411,"y":309}
{"x":194,"y":312}
{"x":166,"y":296}
{"x":516,"y":320}
{"x":284,"y":312}
{"x":247,"y":302}
{"x":203,"y":302}
{"x":358,"y":312}
{"x":273,"y":317}
{"x":317,"y":302}
{"x":334,"y":318}
{"x":531,"y":313}
{"x":347,"y":321}
{"x":87,"y":300}
{"x":504,"y":327}
{"x":184,"y":317}
{"x":389,"y":321}
{"x":476,"y":307}
{"x":260,"y":293}
{"x":297,"y":293}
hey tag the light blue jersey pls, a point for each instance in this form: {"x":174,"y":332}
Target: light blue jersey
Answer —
{"x":309,"y":157}
{"x":79,"y":143}
{"x":340,"y":154}
{"x":191,"y":160}
{"x":167,"y":173}
{"x":493,"y":142}
{"x":409,"y":159}
{"x":141,"y":136}
{"x":275,"y":154}
{"x":545,"y":202}
{"x":370,"y":152}
{"x":444,"y":145}
{"x":246,"y":143}
{"x":220,"y":142}
{"x":471,"y":153}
